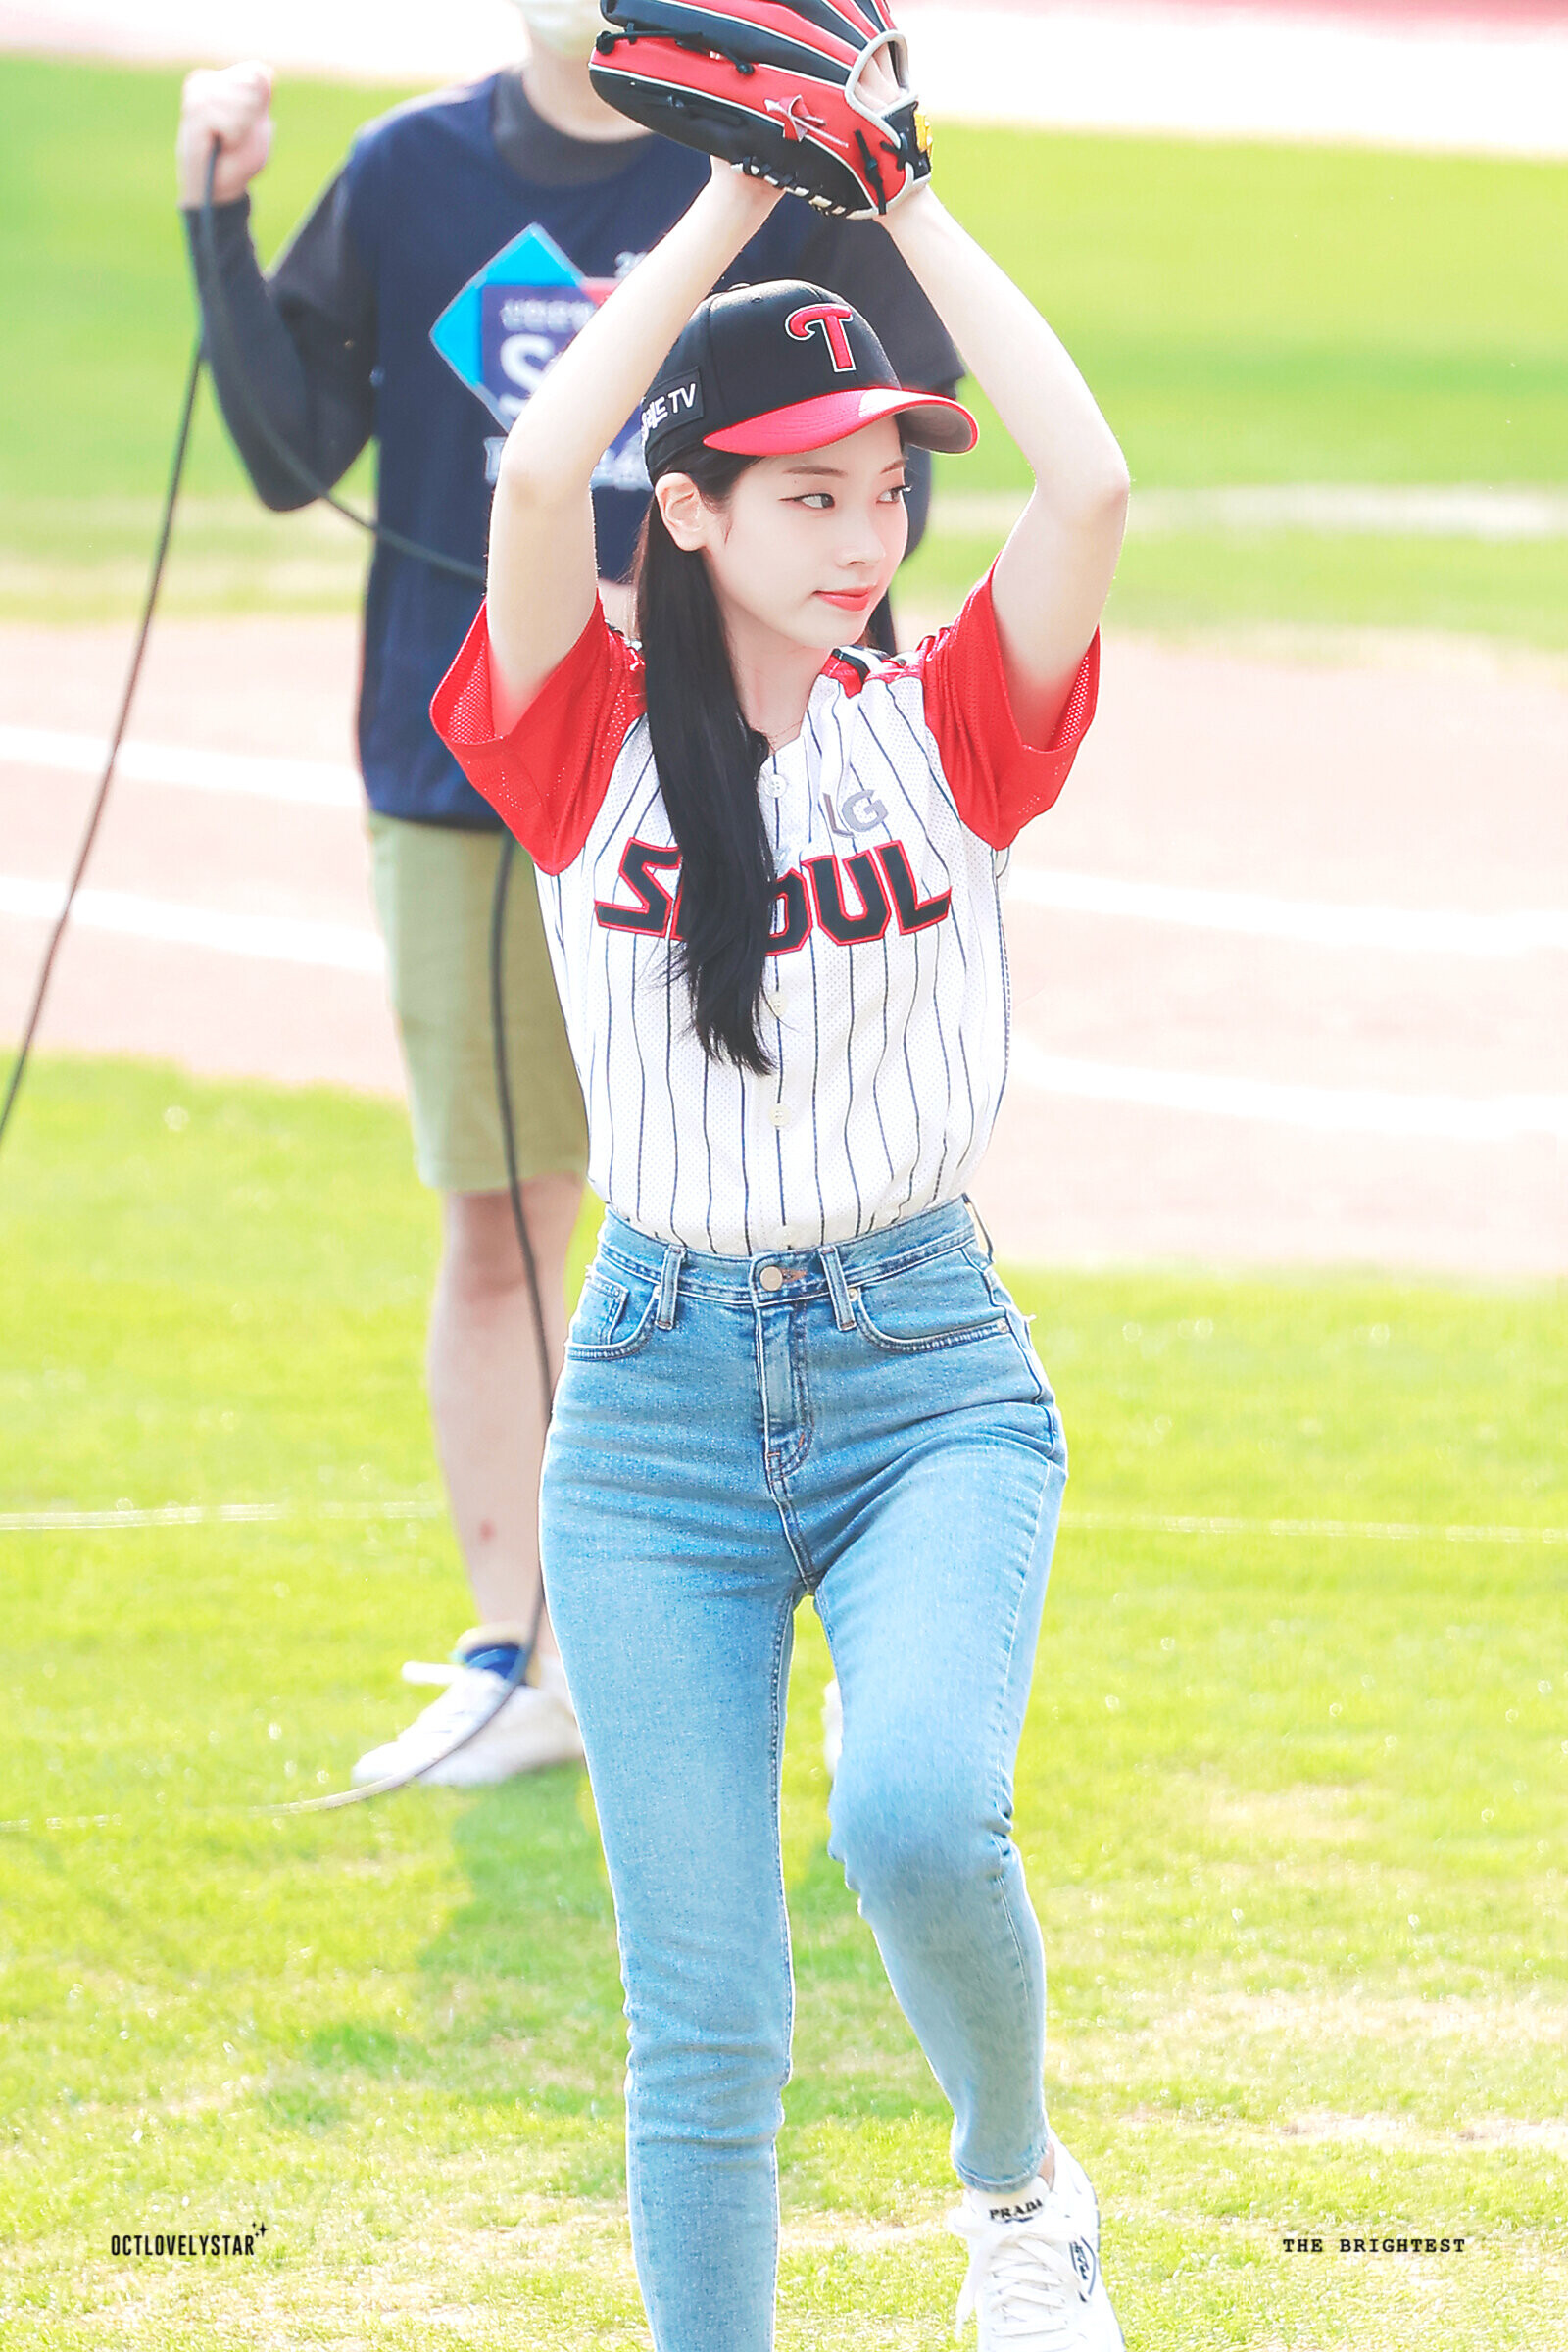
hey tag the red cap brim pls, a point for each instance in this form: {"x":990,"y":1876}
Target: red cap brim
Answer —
{"x":930,"y":423}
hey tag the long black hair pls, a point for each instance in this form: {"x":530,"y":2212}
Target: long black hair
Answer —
{"x":709,"y":760}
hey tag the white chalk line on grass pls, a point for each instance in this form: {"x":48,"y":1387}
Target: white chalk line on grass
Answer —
{"x":1362,"y":1531}
{"x":1321,"y":1110}
{"x":206,"y":1514}
{"x":1162,"y":1523}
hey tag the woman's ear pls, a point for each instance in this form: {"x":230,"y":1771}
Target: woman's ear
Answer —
{"x":683,"y":510}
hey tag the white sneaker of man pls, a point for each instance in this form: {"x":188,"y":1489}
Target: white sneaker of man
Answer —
{"x":1034,"y":2281}
{"x":535,"y":1725}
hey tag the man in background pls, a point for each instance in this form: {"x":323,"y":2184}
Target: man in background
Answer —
{"x":332,"y":350}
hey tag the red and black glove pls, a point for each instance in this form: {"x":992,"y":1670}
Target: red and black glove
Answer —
{"x":813,"y":96}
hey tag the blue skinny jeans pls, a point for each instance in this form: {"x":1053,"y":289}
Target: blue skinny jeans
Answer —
{"x":867,"y":1425}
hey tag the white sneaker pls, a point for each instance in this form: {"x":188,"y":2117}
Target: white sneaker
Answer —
{"x":535,"y":1727}
{"x":832,"y":1729}
{"x":1034,"y":2279}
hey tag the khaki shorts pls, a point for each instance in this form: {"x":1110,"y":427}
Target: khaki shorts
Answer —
{"x":434,"y":885}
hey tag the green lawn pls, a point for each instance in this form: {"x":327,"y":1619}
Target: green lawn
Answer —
{"x":1245,"y":315}
{"x":1295,"y":1807}
{"x":1242,"y":584}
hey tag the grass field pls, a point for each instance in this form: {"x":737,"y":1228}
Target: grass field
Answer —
{"x":1244,"y":314}
{"x":1295,"y":1807}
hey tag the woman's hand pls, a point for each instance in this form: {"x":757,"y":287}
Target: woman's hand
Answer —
{"x":753,"y":199}
{"x":879,"y":85}
{"x":234,"y":108}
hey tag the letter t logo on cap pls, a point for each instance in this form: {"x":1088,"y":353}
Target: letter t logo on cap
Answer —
{"x":830,"y":316}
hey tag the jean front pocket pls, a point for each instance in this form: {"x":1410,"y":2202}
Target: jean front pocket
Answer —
{"x":945,"y":1302}
{"x":613,"y":1318}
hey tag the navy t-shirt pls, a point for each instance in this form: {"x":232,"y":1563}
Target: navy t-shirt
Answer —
{"x":426,"y":198}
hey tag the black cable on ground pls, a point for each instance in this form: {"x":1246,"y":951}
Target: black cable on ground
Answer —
{"x":509,"y":1135}
{"x":106,"y":777}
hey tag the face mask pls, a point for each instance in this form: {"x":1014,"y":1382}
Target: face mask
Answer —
{"x":569,"y":28}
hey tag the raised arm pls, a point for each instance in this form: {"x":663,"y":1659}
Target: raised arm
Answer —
{"x":542,"y":585}
{"x":1055,"y":573}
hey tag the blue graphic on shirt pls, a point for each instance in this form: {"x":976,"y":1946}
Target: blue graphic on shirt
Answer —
{"x":510,"y":325}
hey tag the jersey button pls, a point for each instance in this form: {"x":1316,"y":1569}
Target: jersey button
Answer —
{"x":770,"y":1279}
{"x":779,"y":1116}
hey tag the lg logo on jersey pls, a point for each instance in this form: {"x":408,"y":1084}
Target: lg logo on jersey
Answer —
{"x":851,"y":900}
{"x":860,"y":812}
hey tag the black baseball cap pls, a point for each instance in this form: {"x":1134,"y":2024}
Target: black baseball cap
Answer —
{"x":784,"y":367}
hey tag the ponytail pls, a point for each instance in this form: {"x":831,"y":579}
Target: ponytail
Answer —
{"x":707,"y":760}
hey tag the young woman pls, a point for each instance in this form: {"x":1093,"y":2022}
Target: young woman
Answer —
{"x":770,"y":878}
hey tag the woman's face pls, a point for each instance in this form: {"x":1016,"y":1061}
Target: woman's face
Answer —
{"x":804,"y":545}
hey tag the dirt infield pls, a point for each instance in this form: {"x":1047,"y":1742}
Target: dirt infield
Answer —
{"x":1401,"y":775}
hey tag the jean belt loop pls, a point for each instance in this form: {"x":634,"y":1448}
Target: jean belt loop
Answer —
{"x":980,"y":1229}
{"x":838,"y":1290}
{"x":670,"y":1286}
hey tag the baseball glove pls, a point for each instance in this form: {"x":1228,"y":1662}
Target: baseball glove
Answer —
{"x":813,"y":96}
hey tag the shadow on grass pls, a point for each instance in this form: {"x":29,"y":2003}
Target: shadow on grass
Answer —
{"x":522,"y":1983}
{"x":539,"y":1913}
{"x":527,"y":1967}
{"x":507,"y":2033}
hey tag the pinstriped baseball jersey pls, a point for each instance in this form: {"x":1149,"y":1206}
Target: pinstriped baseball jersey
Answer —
{"x":885,"y":1005}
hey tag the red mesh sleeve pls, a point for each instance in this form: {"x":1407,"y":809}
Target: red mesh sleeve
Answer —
{"x":547,"y":778}
{"x":997,"y":779}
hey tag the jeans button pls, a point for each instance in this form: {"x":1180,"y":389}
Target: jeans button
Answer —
{"x":770,"y":1279}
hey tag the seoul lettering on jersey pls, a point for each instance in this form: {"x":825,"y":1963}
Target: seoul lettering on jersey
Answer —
{"x":881,"y":889}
